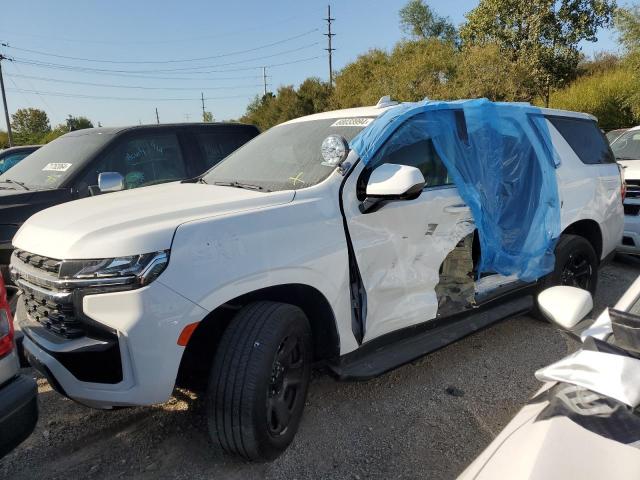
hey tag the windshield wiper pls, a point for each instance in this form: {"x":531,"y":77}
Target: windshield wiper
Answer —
{"x":626,"y":158}
{"x":8,"y":180}
{"x":246,"y":186}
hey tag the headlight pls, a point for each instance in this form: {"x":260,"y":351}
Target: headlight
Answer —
{"x":138,"y":270}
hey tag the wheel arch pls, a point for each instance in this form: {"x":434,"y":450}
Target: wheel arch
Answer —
{"x":203,"y":344}
{"x":590,"y":231}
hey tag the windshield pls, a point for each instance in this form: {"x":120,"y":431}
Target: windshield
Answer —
{"x":627,"y":147}
{"x":49,"y":166}
{"x":286,"y":157}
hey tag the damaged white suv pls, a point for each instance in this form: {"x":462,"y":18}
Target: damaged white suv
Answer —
{"x":340,"y":238}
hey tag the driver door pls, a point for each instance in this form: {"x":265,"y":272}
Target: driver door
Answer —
{"x":400,"y":247}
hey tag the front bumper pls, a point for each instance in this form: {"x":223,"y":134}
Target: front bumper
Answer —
{"x":147,"y":323}
{"x":18,"y":412}
{"x":630,"y":242}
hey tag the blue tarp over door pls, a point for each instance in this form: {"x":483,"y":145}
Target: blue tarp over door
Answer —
{"x":504,"y":169}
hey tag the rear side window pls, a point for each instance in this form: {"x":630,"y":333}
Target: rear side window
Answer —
{"x":217,"y":145}
{"x":585,"y":138}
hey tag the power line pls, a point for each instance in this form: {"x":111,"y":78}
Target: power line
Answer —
{"x":140,"y":87}
{"x":98,"y":97}
{"x":105,"y":71}
{"x":222,"y":55}
{"x":187,"y":70}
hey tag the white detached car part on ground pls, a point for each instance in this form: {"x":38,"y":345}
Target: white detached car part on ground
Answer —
{"x":297,"y":249}
{"x":584,"y":422}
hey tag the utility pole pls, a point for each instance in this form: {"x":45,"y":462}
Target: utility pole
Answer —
{"x":203,"y":112}
{"x":264,"y":79}
{"x":157,"y":117}
{"x":187,"y":116}
{"x":330,"y":49}
{"x":4,"y":102}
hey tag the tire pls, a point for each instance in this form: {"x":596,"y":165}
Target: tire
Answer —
{"x":259,"y":380}
{"x":574,"y":254}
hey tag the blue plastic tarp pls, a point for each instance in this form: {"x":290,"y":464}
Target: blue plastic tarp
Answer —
{"x":503,"y":167}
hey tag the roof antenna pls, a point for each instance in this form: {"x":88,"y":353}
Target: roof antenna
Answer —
{"x":385,"y":102}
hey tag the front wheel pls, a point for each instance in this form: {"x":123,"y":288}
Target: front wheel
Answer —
{"x":259,"y":380}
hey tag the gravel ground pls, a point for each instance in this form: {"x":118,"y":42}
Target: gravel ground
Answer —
{"x":428,"y":419}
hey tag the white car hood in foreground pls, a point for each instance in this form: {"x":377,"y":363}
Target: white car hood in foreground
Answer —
{"x":132,"y":222}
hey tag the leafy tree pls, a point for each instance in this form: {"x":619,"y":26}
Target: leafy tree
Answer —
{"x":627,"y":22}
{"x":412,"y":71}
{"x":207,"y":117}
{"x":4,"y":140}
{"x":78,"y":123}
{"x":484,"y":72}
{"x":312,"y":96}
{"x":29,"y":125}
{"x":543,"y":36}
{"x":608,"y":95}
{"x":418,"y":20}
{"x":600,"y":63}
{"x":56,"y":132}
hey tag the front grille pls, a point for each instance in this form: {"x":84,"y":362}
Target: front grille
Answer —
{"x":631,"y":209}
{"x":49,"y":265}
{"x":51,"y":307}
{"x":633,"y":188}
{"x":57,"y":317}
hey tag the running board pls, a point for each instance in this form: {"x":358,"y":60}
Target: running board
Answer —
{"x":383,"y":354}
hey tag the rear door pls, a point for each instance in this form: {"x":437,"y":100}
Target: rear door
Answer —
{"x":400,"y":247}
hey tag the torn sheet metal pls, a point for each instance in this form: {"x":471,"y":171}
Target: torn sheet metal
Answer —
{"x":615,"y":376}
{"x":456,"y":289}
{"x":502,"y":161}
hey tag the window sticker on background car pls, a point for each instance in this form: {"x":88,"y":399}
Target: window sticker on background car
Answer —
{"x":56,"y":167}
{"x":352,"y":122}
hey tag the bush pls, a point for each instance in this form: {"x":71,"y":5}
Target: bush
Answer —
{"x":608,"y":95}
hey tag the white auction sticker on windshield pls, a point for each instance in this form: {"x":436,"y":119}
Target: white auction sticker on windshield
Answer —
{"x":352,"y":122}
{"x":56,"y":167}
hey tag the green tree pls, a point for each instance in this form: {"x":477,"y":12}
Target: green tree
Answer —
{"x":421,"y":22}
{"x":412,"y":71}
{"x":484,"y":72}
{"x":541,"y":35}
{"x":56,"y":132}
{"x":4,"y":140}
{"x":207,"y":117}
{"x":311,"y":97}
{"x":627,"y":22}
{"x":78,"y":123}
{"x":29,"y":125}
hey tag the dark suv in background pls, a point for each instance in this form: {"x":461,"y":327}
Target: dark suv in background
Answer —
{"x":69,"y":167}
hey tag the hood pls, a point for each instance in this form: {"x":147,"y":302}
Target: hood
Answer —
{"x":133,"y":222}
{"x":18,"y":205}
{"x":631,"y":169}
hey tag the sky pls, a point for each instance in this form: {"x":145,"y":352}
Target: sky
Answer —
{"x":128,"y":56}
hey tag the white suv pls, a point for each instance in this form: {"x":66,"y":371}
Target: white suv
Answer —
{"x":291,"y":252}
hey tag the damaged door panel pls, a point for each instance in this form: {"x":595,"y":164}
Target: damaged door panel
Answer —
{"x":399,"y":250}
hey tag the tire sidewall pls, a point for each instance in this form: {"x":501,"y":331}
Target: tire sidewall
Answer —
{"x":291,"y":322}
{"x":571,"y":245}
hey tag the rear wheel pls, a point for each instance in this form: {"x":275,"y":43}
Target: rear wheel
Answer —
{"x":259,"y":380}
{"x":576,"y":266}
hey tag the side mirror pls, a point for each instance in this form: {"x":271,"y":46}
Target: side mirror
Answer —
{"x":565,"y":306}
{"x":110,"y":182}
{"x":392,"y":182}
{"x":395,"y":181}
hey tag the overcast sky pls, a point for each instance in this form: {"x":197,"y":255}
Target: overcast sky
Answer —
{"x":232,"y":39}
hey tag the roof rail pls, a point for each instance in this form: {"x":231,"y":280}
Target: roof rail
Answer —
{"x":385,"y":102}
